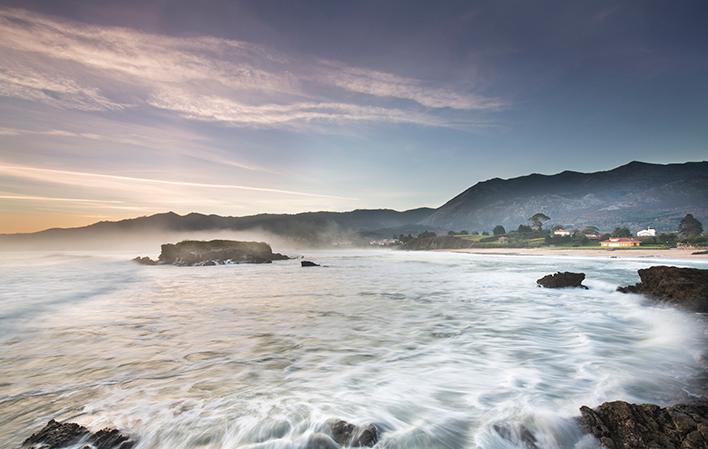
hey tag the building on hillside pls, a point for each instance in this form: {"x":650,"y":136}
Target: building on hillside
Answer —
{"x":503,"y":239}
{"x":648,"y":232}
{"x":561,"y":233}
{"x":620,"y":242}
{"x":385,"y":242}
{"x":592,"y":236}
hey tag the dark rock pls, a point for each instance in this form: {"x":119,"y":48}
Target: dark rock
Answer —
{"x":307,"y":263}
{"x":320,"y":441}
{"x":349,"y":435}
{"x":521,"y":435}
{"x":56,"y":435}
{"x":109,"y":439}
{"x":214,"y":252}
{"x":562,"y":280}
{"x":687,"y":287}
{"x":620,"y":425}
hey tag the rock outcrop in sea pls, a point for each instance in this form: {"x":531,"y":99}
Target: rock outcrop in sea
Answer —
{"x":57,"y":435}
{"x":307,"y":263}
{"x":562,"y":280}
{"x":214,"y":252}
{"x":686,"y":287}
{"x":349,"y":435}
{"x":620,"y":425}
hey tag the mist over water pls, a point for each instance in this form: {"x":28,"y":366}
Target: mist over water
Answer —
{"x":439,"y":350}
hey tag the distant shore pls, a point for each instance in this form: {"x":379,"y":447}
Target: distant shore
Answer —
{"x":670,"y":253}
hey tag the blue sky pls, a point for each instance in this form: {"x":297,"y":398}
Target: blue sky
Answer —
{"x":119,"y":109}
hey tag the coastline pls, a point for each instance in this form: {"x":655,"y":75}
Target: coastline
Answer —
{"x":670,"y":253}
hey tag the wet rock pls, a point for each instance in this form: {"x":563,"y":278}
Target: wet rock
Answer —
{"x":349,"y":435}
{"x":687,"y":287}
{"x":214,"y":252}
{"x":56,"y":435}
{"x":620,"y":425}
{"x":522,"y":435}
{"x":562,"y":280}
{"x":320,"y":441}
{"x":307,"y":263}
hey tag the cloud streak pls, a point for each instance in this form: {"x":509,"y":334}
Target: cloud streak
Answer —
{"x":78,"y":66}
{"x":70,"y":177}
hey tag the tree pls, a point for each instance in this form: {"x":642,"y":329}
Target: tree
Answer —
{"x":524,"y":229}
{"x":450,"y":233}
{"x":690,"y":227}
{"x":621,"y":232}
{"x":499,"y":230}
{"x":538,"y":219}
{"x":591,"y":230}
{"x":426,"y":234}
{"x":463,"y":232}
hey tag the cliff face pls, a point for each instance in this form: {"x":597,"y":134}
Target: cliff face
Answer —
{"x":634,"y":195}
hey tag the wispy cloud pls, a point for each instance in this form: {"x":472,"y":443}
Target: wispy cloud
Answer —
{"x":23,"y":82}
{"x":90,"y":203}
{"x":225,"y":110}
{"x":162,"y":140}
{"x":75,"y":178}
{"x":382,"y":84}
{"x":85,"y":67}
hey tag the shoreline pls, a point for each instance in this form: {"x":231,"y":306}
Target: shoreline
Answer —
{"x":670,"y":253}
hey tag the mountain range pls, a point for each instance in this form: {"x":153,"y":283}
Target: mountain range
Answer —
{"x":635,"y":195}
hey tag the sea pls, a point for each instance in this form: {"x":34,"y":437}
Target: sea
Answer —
{"x":438,"y":350}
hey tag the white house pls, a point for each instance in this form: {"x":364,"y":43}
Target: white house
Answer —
{"x":648,"y":232}
{"x":561,"y":233}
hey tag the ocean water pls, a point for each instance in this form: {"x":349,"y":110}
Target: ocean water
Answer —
{"x":438,"y":350}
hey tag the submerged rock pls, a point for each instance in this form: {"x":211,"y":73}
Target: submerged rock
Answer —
{"x":562,"y":280}
{"x":214,"y":252}
{"x":620,"y":425}
{"x":307,"y":263}
{"x":687,"y":287}
{"x":56,"y":435}
{"x":349,"y":435}
{"x":522,"y":435}
{"x":144,"y":261}
{"x":320,"y":441}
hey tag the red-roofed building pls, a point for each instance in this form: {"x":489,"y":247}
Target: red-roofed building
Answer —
{"x":620,"y":242}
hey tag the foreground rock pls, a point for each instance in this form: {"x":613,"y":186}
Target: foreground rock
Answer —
{"x":56,"y":435}
{"x":620,"y":425}
{"x":307,"y":263}
{"x":562,"y":280}
{"x":687,"y":287}
{"x":214,"y":252}
{"x":349,"y":435}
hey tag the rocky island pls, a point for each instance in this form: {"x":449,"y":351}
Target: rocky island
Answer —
{"x":214,"y":252}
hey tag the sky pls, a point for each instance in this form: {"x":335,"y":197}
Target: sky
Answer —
{"x":111,"y":110}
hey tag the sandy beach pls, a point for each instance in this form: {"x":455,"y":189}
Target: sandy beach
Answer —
{"x":671,"y":253}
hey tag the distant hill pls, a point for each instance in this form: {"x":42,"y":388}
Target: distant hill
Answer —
{"x":305,"y":229}
{"x":634,"y":195}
